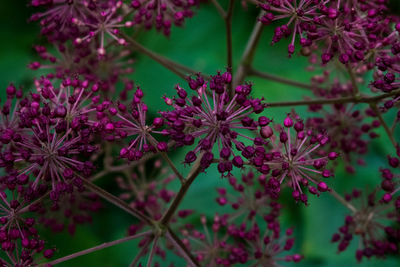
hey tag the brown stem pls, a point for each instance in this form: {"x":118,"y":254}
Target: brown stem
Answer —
{"x":97,"y":248}
{"x":339,"y":100}
{"x":194,"y":172}
{"x":219,"y":8}
{"x":183,"y":248}
{"x":248,"y":54}
{"x":26,"y":208}
{"x":152,"y":251}
{"x":116,"y":201}
{"x":356,"y":91}
{"x":384,"y":124}
{"x":278,"y":79}
{"x":171,"y":65}
{"x":153,"y":141}
{"x":141,"y":253}
{"x":342,"y":200}
{"x":228,"y":27}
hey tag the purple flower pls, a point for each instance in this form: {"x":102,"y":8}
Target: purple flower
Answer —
{"x":132,"y":123}
{"x":371,"y":221}
{"x":297,"y":158}
{"x":217,"y":121}
{"x":162,"y":13}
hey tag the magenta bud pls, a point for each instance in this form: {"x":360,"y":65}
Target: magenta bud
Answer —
{"x":288,"y":122}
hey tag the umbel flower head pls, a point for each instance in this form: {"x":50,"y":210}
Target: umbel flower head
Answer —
{"x":216,"y":120}
{"x":130,"y":122}
{"x":19,"y":238}
{"x":56,"y":132}
{"x":161,"y":14}
{"x":296,"y":157}
{"x":374,"y":221}
{"x":347,"y":129}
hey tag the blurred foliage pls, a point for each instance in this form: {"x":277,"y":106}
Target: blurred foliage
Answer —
{"x":201,"y":46}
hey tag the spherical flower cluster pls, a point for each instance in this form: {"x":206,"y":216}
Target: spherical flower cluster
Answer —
{"x":296,"y":158}
{"x":347,"y":130}
{"x":219,"y":121}
{"x":250,"y":198}
{"x":19,"y":236}
{"x":350,"y":30}
{"x":80,"y":61}
{"x":162,"y":13}
{"x":70,"y":210}
{"x":53,"y":130}
{"x":255,"y":219}
{"x":371,"y":221}
{"x":131,"y":122}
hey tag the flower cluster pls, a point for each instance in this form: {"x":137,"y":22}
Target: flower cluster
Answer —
{"x":348,"y":30}
{"x":369,"y":220}
{"x":296,"y":158}
{"x":86,"y":118}
{"x":255,"y":220}
{"x":215,"y":119}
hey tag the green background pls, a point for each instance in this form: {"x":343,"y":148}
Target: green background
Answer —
{"x":200,"y":45}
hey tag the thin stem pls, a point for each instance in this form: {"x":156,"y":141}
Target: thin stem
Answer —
{"x":97,"y":248}
{"x":384,"y":124}
{"x":116,"y":201}
{"x":342,"y":200}
{"x":153,"y":141}
{"x":219,"y":8}
{"x":183,"y":248}
{"x":278,"y":79}
{"x":152,"y":251}
{"x":26,"y":208}
{"x":171,"y":65}
{"x":248,"y":54}
{"x":173,"y":167}
{"x":141,"y":253}
{"x":340,"y":100}
{"x":356,"y":91}
{"x":194,"y":172}
{"x":228,"y":27}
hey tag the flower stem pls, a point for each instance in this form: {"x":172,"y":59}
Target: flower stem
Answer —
{"x":278,"y":79}
{"x":97,"y":248}
{"x":248,"y":54}
{"x":182,"y":248}
{"x":384,"y":124}
{"x":116,"y":201}
{"x":219,"y":8}
{"x":228,"y":27}
{"x":194,"y":172}
{"x":342,"y":200}
{"x":356,"y":91}
{"x":339,"y":100}
{"x":171,"y":65}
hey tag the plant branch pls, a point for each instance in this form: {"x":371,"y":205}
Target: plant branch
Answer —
{"x":356,"y":91}
{"x":116,"y":201}
{"x":173,"y":66}
{"x":153,"y":141}
{"x":183,"y":248}
{"x":194,"y":172}
{"x":339,"y":100}
{"x":278,"y":79}
{"x":219,"y":8}
{"x":97,"y":248}
{"x":342,"y":200}
{"x":383,"y":123}
{"x":228,"y":27}
{"x":141,"y":252}
{"x":26,"y":208}
{"x":248,"y":54}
